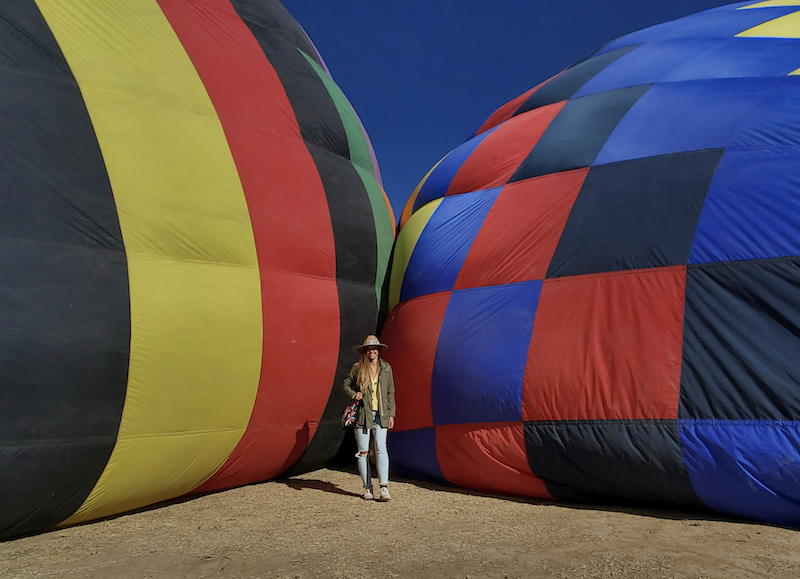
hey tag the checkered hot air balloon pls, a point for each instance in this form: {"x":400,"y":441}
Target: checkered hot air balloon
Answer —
{"x":597,"y":296}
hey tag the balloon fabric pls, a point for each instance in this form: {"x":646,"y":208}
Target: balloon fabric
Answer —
{"x":194,"y":237}
{"x":597,"y":296}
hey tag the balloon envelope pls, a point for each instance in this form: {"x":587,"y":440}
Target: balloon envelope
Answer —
{"x":193,"y":235}
{"x":597,"y":296}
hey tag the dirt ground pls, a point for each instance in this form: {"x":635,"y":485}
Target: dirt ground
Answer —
{"x":316,"y":525}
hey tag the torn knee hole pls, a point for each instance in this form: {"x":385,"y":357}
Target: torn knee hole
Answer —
{"x":363,"y":453}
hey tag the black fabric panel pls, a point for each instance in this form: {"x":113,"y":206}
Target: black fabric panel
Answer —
{"x":356,"y":263}
{"x":571,"y":80}
{"x":280,"y":37}
{"x":578,"y":132}
{"x":64,"y":303}
{"x":272,"y":15}
{"x":352,"y":220}
{"x":609,"y":461}
{"x":741,"y":347}
{"x":636,"y":214}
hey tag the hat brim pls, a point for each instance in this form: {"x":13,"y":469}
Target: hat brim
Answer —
{"x":362,"y":347}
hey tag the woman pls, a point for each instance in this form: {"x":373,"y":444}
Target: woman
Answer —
{"x":371,"y":381}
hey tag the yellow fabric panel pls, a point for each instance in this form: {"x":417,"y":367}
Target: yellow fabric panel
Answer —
{"x":406,"y":242}
{"x":784,"y":27}
{"x":769,"y":3}
{"x":409,"y":206}
{"x":196,"y":334}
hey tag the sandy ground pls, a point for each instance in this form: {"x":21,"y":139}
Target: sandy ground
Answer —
{"x":316,"y":525}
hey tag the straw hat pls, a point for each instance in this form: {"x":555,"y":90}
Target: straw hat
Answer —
{"x":370,"y":342}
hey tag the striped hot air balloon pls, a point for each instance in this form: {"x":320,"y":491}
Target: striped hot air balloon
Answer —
{"x":597,"y":297}
{"x":193,"y":236}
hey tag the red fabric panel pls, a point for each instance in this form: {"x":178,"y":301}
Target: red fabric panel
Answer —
{"x":297,"y":260}
{"x":295,"y":382}
{"x":488,"y":457}
{"x":521,"y":232}
{"x":507,"y":110}
{"x":607,"y":347}
{"x":496,"y":159}
{"x":412,"y":335}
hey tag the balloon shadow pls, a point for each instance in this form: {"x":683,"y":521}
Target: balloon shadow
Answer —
{"x":692,"y":517}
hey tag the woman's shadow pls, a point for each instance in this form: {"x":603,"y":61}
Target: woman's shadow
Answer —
{"x":319,"y":485}
{"x":344,"y":460}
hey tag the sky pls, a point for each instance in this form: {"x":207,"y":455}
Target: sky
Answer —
{"x":424,"y":74}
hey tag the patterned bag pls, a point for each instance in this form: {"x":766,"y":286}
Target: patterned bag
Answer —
{"x":350,"y":415}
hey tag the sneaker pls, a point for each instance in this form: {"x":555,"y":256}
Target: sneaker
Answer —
{"x":367,"y":496}
{"x":385,"y":496}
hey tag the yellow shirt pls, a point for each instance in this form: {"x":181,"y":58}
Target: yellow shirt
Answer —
{"x":375,"y":392}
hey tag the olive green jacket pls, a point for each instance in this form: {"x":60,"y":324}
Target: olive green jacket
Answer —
{"x":386,"y":405}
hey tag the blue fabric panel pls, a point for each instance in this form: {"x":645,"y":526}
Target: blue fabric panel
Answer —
{"x":722,"y":22}
{"x":648,"y":64}
{"x":435,"y":187}
{"x":445,"y":242}
{"x":740,"y":58}
{"x":606,"y":460}
{"x":413,"y":454}
{"x":776,"y":119}
{"x":482,"y":354}
{"x":696,"y":59}
{"x":741,"y":341}
{"x":687,"y":116}
{"x":752,"y":209}
{"x":748,"y":468}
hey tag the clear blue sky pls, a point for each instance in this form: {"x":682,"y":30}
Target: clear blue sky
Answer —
{"x":423,"y":74}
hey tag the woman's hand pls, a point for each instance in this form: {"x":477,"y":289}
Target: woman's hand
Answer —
{"x":358,"y":396}
{"x":391,"y":422}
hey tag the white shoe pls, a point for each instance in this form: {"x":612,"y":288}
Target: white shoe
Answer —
{"x":367,"y":496}
{"x":385,"y":496}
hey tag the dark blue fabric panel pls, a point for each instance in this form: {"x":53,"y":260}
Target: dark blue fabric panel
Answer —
{"x":745,"y":468}
{"x":752,"y":209}
{"x":578,"y":133}
{"x":722,"y":22}
{"x":635,"y":214}
{"x":445,"y":242}
{"x":610,"y":460}
{"x":687,"y":116}
{"x":741,"y":341}
{"x":564,"y":86}
{"x":482,"y":354}
{"x":435,"y":187}
{"x":648,"y":64}
{"x":413,"y":454}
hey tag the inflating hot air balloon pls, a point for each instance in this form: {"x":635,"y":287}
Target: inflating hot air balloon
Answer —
{"x":597,"y":296}
{"x":192,"y":229}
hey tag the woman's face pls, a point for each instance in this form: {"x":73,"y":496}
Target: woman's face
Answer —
{"x":372,"y":353}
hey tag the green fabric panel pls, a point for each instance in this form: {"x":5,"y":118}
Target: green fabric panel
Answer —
{"x":359,"y":148}
{"x":383,"y":225}
{"x":362,"y":160}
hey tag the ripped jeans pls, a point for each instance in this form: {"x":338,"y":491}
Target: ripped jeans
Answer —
{"x":382,"y":458}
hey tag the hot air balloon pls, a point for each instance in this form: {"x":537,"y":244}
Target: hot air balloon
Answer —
{"x":597,"y":296}
{"x":193,"y":228}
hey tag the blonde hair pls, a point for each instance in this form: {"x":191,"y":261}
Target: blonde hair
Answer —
{"x":362,"y":372}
